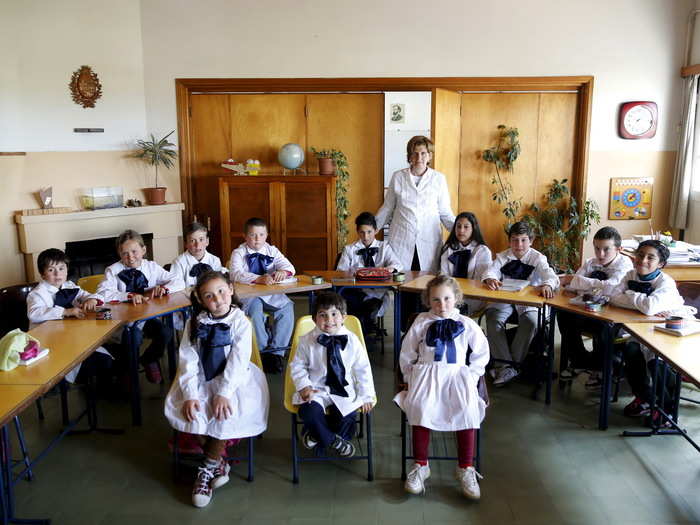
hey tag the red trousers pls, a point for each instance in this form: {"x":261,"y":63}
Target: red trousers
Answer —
{"x":466,"y":440}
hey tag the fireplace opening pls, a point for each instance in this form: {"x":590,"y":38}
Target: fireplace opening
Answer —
{"x":93,"y":256}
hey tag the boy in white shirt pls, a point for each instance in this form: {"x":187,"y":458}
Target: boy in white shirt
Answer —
{"x":333,"y":378}
{"x":196,"y":260}
{"x":257,"y":262}
{"x":520,"y":261}
{"x":368,"y":303}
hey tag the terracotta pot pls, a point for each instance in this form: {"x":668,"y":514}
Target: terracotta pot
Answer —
{"x":155,"y":195}
{"x":326,"y":166}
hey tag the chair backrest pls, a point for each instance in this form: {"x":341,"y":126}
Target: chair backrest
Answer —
{"x":303,"y":326}
{"x":90,"y":283}
{"x":691,"y":295}
{"x":255,"y":354}
{"x":13,"y":307}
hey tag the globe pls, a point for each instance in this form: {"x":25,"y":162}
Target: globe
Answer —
{"x":291,"y":156}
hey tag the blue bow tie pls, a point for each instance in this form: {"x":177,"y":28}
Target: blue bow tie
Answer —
{"x":516,"y":269}
{"x":460,"y":262}
{"x":65,"y":297}
{"x":258,"y":262}
{"x":598,"y":274}
{"x":441,"y":334}
{"x":134,"y":280}
{"x":213,"y":338}
{"x":367,"y":255}
{"x":639,"y":287}
{"x":335,"y":370}
{"x":198,"y":269}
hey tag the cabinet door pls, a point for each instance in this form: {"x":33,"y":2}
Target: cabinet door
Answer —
{"x":308,"y":223}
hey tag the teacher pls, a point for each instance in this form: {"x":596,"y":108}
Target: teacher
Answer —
{"x":416,"y":202}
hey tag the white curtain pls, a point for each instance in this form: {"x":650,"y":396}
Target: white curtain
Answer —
{"x":683,"y":175}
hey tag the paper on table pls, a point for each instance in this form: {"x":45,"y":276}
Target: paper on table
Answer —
{"x":513,"y":285}
{"x":689,"y":329}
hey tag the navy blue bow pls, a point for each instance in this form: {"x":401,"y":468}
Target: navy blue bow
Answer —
{"x":460,"y":262}
{"x":134,"y":280}
{"x":598,"y":274}
{"x":198,"y":269}
{"x":213,"y":338}
{"x":441,"y":334}
{"x":65,"y":297}
{"x":640,"y":287}
{"x":335,"y":370}
{"x":367,"y":255}
{"x":258,"y":262}
{"x":516,"y":269}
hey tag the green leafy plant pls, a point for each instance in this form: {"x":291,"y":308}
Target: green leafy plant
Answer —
{"x":503,"y":156}
{"x":342,"y":203}
{"x":157,"y":152}
{"x":560,"y":225}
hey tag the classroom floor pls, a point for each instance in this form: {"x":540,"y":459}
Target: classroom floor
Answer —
{"x":540,"y":465}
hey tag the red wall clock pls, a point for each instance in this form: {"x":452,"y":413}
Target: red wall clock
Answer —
{"x":638,"y":120}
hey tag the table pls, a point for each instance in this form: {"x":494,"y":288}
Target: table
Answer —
{"x":347,"y":280}
{"x":612,"y":317}
{"x":303,"y":285}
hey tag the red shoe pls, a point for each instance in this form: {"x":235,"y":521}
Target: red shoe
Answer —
{"x":153,"y":374}
{"x":637,"y":408}
{"x":658,"y":421}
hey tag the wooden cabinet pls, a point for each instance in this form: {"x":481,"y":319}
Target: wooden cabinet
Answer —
{"x":299,"y":210}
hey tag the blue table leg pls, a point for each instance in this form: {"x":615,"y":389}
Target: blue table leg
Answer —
{"x":607,"y":338}
{"x":172,"y":347}
{"x":397,"y":326}
{"x":550,"y":352}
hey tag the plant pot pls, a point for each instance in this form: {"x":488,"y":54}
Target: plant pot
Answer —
{"x":155,"y":195}
{"x":326,"y":166}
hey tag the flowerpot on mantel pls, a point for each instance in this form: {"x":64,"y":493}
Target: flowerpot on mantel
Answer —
{"x":326,"y":166}
{"x":155,"y":195}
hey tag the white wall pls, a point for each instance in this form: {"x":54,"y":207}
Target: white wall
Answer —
{"x":42,"y":42}
{"x":396,"y":135}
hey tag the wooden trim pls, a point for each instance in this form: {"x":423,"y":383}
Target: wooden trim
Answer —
{"x":12,"y":153}
{"x":182,"y":101}
{"x":225,"y":216}
{"x":689,"y":71}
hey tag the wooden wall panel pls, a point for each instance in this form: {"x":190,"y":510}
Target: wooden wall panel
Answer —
{"x":353,"y":123}
{"x":261,"y":124}
{"x":446,"y":134}
{"x":556,"y":139}
{"x":210,"y":125}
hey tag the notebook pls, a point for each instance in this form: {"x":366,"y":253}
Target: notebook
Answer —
{"x":689,"y":329}
{"x":513,"y":285}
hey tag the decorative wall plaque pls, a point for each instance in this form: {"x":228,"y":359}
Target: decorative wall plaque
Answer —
{"x":85,"y":87}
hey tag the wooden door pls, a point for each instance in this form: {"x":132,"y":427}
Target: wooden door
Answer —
{"x":446,"y":131}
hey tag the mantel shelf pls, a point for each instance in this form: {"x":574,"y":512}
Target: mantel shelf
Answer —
{"x":99,"y":214}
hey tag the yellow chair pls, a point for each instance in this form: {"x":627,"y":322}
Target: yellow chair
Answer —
{"x":303,"y":326}
{"x":250,"y":458}
{"x":91,"y":282}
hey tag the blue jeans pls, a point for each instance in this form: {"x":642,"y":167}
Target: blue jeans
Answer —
{"x":282,"y":326}
{"x":324,"y":427}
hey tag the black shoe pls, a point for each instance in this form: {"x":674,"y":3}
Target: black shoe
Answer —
{"x":272,"y":363}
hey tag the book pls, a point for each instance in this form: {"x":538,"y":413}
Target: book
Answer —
{"x":692,"y":327}
{"x":42,"y":354}
{"x":513,"y":285}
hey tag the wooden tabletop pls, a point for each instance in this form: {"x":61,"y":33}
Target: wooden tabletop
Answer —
{"x":69,"y":342}
{"x":348,"y":279}
{"x":129,"y":312}
{"x":14,"y":399}
{"x":303,"y":284}
{"x":682,"y":352}
{"x":528,"y":296}
{"x":609,"y":313}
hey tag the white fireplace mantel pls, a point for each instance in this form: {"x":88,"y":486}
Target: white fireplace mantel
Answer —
{"x":40,"y":232}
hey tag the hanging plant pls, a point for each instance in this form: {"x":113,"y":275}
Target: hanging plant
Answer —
{"x":560,"y":226}
{"x":503,"y":156}
{"x":342,"y":203}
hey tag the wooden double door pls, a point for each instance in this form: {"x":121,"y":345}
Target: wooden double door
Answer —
{"x":299,"y":211}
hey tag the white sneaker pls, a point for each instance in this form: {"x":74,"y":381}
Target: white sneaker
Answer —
{"x":505,"y":375}
{"x":220,"y":474}
{"x":201,"y":492}
{"x":415,"y":481}
{"x":469,"y":483}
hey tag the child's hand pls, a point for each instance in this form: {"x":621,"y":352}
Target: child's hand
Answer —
{"x":279,"y":275}
{"x":74,"y":312}
{"x":492,"y":284}
{"x":222,"y":408}
{"x":391,"y":269}
{"x":159,"y":291}
{"x":90,"y":305}
{"x":366,"y":408}
{"x":565,"y":280}
{"x":137,"y":298}
{"x":307,"y":393}
{"x":547,"y":292}
{"x":265,"y":279}
{"x":189,"y":409}
{"x":664,"y":314}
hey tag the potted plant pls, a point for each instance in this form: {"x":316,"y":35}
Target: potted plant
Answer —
{"x":560,"y":226}
{"x":340,"y":167}
{"x":156,"y":152}
{"x":503,"y":156}
{"x":326,"y":161}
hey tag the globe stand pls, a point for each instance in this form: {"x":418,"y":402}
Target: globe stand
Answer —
{"x":295,"y":171}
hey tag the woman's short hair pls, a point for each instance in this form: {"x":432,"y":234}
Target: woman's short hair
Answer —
{"x":418,"y":140}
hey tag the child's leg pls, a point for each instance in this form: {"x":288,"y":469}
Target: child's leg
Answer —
{"x":160,"y":335}
{"x":282,"y":328}
{"x":466,"y":440}
{"x":571,"y":342}
{"x":97,"y":364}
{"x":214,"y":449}
{"x":421,"y":442}
{"x":257,"y":316}
{"x":496,"y":317}
{"x":344,"y":426}
{"x":527,"y":328}
{"x":636,"y":371}
{"x":314,"y":417}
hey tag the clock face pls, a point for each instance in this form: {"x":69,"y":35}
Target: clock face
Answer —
{"x":638,"y":120}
